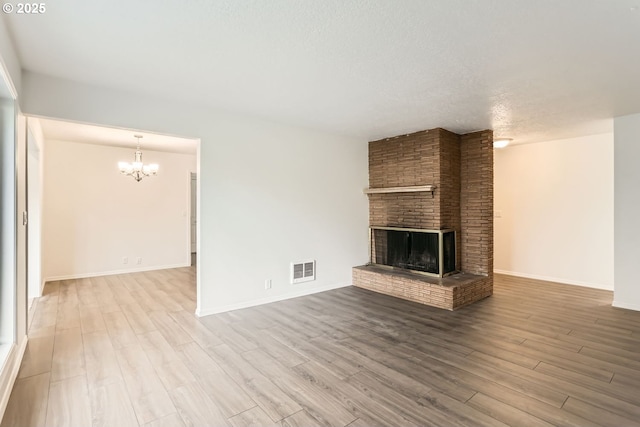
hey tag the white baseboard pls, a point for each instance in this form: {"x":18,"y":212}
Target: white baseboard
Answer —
{"x":260,"y":301}
{"x":10,"y":371}
{"x":618,"y":304}
{"x":554,"y":279}
{"x":113,"y":272}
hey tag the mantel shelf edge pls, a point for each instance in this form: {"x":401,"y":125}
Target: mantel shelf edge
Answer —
{"x":411,"y":189}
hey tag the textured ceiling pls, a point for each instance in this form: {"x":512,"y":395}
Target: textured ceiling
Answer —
{"x":531,"y":70}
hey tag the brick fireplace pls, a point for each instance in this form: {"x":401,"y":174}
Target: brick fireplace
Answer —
{"x":434,"y":180}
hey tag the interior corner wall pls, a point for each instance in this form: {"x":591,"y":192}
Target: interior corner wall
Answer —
{"x":554,"y":211}
{"x":93,"y":217}
{"x":270,"y":194}
{"x":627,"y":211}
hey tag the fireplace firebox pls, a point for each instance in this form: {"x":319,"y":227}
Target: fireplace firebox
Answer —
{"x":430,"y":252}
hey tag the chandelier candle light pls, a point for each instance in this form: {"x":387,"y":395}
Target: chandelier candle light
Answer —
{"x":137,"y":169}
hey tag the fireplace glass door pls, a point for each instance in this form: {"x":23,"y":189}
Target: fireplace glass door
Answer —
{"x":427,"y":251}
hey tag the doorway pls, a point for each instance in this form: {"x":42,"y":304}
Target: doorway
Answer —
{"x":114,"y":233}
{"x":193,"y":213}
{"x":34,"y":188}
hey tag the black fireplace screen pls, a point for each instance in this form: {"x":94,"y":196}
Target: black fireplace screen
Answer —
{"x":415,"y":249}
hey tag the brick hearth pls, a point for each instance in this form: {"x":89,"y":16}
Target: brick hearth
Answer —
{"x":461,"y":168}
{"x":449,"y":292}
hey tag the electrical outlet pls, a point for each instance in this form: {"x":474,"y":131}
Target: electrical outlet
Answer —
{"x":267,"y":284}
{"x":125,"y":260}
{"x":139,"y":261}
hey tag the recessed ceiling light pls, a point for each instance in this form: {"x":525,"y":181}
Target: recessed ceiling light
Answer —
{"x":501,"y":142}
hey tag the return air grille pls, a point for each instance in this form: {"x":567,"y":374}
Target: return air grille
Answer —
{"x":304,"y":271}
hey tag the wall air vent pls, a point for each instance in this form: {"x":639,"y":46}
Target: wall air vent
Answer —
{"x":304,"y":271}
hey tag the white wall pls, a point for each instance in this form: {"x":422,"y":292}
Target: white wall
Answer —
{"x":12,"y":317}
{"x":283,"y":196}
{"x":10,"y":67}
{"x":269,"y":194}
{"x":627,"y":212}
{"x":555,"y":200}
{"x":34,"y":207}
{"x":93,"y":216}
{"x":21,"y":227}
{"x":7,"y":222}
{"x":9,"y":356}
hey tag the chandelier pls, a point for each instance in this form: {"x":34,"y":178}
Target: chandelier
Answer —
{"x":137,"y":169}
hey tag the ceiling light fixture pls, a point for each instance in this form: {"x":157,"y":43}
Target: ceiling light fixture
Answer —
{"x":137,"y":169}
{"x":501,"y":142}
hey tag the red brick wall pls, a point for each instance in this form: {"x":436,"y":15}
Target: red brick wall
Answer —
{"x":476,"y":202}
{"x":461,"y":167}
{"x":404,"y":161}
{"x":449,"y":189}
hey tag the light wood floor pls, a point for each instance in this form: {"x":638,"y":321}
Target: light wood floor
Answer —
{"x":127,"y":350}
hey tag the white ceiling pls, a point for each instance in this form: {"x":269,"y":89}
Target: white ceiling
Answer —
{"x":531,"y":70}
{"x":79,"y":132}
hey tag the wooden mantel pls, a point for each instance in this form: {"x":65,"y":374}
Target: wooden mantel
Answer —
{"x":411,"y":189}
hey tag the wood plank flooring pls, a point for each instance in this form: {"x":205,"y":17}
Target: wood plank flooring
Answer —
{"x":127,"y":350}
